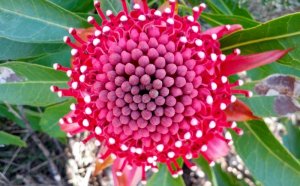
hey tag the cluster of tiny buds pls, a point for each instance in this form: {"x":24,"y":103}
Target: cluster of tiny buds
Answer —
{"x":150,"y":87}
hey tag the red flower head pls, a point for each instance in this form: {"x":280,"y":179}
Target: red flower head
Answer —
{"x":152,"y":88}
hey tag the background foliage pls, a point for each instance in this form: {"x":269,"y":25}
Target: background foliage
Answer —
{"x":31,"y":41}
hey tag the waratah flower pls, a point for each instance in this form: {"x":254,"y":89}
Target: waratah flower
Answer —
{"x":151,"y":87}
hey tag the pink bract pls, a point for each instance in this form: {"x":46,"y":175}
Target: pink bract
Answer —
{"x":151,"y":87}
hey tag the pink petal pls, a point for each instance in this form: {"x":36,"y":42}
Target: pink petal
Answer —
{"x":216,"y":148}
{"x":242,"y":63}
{"x":71,"y":128}
{"x":239,"y":111}
{"x":215,"y":30}
{"x":129,"y":177}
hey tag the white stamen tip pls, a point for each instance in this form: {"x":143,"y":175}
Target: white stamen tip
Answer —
{"x":187,"y":135}
{"x":85,"y":123}
{"x":168,"y":10}
{"x":98,"y":130}
{"x":96,"y":41}
{"x":113,"y":156}
{"x":212,"y":124}
{"x":123,"y":18}
{"x":194,"y":122}
{"x":191,"y":18}
{"x":61,"y":121}
{"x":194,"y":168}
{"x":90,"y":19}
{"x":233,"y":125}
{"x":213,"y":57}
{"x":195,"y":29}
{"x":142,"y":18}
{"x":196,"y":9}
{"x":124,"y":147}
{"x":170,"y":21}
{"x":212,"y":164}
{"x":224,"y":79}
{"x":199,"y":42}
{"x":59,"y":94}
{"x":209,"y":100}
{"x":70,"y":120}
{"x":144,"y":182}
{"x":237,"y":51}
{"x":132,"y":149}
{"x":223,"y":106}
{"x":66,"y":39}
{"x":175,"y":175}
{"x":56,"y":66}
{"x":157,"y":13}
{"x":119,"y":173}
{"x":87,"y":99}
{"x":88,"y":111}
{"x":250,"y":94}
{"x":228,"y":27}
{"x":233,"y":99}
{"x":214,"y":86}
{"x":105,"y":29}
{"x":223,"y":57}
{"x":139,"y":150}
{"x":150,"y":160}
{"x":155,"y":170}
{"x":214,"y":36}
{"x":111,"y":141}
{"x":96,"y":3}
{"x":199,"y":134}
{"x":83,"y":68}
{"x":204,"y":148}
{"x":180,"y":172}
{"x":178,"y":144}
{"x":203,"y":5}
{"x":74,"y":85}
{"x":97,"y":33}
{"x":74,"y":52}
{"x":201,"y":55}
{"x":189,"y":156}
{"x":108,"y":12}
{"x":160,"y":147}
{"x":73,"y":106}
{"x":240,"y":82}
{"x":72,"y":30}
{"x":183,"y":39}
{"x":82,"y":78}
{"x":136,"y":6}
{"x":171,"y":154}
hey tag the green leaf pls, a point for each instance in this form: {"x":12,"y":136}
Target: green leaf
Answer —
{"x":50,"y":118}
{"x":14,"y":50}
{"x":75,"y":5}
{"x":203,"y":164}
{"x":268,"y":161}
{"x":34,"y":89}
{"x":292,"y":139}
{"x":164,"y":178}
{"x":281,"y":33}
{"x":33,"y":117}
{"x":9,"y":139}
{"x":226,"y":178}
{"x":36,"y":21}
{"x":217,"y":20}
{"x":113,"y":5}
{"x":228,"y":7}
{"x":273,"y":68}
{"x":261,"y":106}
{"x":62,"y":57}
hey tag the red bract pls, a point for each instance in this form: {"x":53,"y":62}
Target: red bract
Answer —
{"x":152,"y":88}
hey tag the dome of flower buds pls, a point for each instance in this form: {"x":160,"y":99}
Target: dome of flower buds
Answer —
{"x":151,"y":87}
